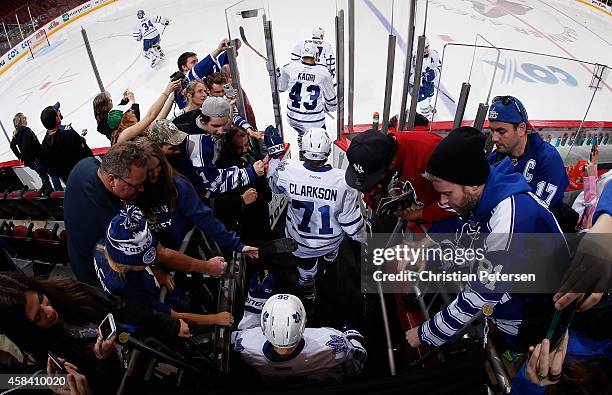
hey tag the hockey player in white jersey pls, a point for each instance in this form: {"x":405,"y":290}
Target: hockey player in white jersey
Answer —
{"x":430,"y":75}
{"x":311,"y":91}
{"x":322,"y":208}
{"x":326,"y":54}
{"x":146,"y":31}
{"x":275,"y":341}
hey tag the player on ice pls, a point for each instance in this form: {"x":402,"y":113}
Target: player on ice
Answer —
{"x":274,"y":340}
{"x":145,"y":30}
{"x":311,"y":91}
{"x":430,"y":75}
{"x":322,"y":208}
{"x":326,"y":53}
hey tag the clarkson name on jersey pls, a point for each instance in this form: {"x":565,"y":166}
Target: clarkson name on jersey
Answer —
{"x":313,"y":192}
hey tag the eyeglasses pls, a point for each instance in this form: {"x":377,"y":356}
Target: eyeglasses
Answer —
{"x":138,"y":187}
{"x":505,"y":100}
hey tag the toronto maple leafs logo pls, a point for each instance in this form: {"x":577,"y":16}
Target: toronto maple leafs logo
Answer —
{"x":337,"y":344}
{"x":358,"y":168}
{"x":149,"y":256}
{"x":238,"y":347}
{"x":468,"y":234}
{"x":296,"y":317}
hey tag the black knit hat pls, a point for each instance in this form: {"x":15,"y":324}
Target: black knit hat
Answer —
{"x":460,"y":158}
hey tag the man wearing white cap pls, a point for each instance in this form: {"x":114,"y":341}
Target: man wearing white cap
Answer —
{"x":203,"y":149}
{"x":327,"y":57}
{"x":272,"y":338}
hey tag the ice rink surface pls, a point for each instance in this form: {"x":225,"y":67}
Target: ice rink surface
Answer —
{"x":551,"y":88}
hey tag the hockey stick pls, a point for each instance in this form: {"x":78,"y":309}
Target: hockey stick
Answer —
{"x":246,"y":42}
{"x":445,"y":94}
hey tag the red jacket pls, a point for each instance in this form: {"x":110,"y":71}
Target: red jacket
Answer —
{"x":414,"y":149}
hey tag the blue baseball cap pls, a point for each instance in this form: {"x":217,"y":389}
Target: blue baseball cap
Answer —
{"x":508,"y":109}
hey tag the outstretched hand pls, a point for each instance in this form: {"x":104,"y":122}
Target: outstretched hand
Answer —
{"x":544,"y":367}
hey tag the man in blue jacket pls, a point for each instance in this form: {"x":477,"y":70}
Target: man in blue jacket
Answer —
{"x":203,"y":150}
{"x":496,"y":205}
{"x":193,"y":69}
{"x":538,"y":161}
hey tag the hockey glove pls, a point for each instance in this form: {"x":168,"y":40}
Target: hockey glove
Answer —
{"x":429,"y":75}
{"x":260,"y":289}
{"x":274,"y":142}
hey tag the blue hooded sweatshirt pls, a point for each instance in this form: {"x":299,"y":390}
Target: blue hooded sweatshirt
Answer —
{"x":170,"y":227}
{"x":506,"y":208}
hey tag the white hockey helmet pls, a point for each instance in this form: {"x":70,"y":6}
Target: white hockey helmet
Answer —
{"x":318,"y":32}
{"x":309,"y":50}
{"x":140,"y":14}
{"x":316,"y":144}
{"x":283,"y":320}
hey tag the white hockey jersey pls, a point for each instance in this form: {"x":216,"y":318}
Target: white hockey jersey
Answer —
{"x":432,"y":67}
{"x":326,"y":57}
{"x":321,"y":206}
{"x":311,"y":93}
{"x":323,"y":354}
{"x":145,"y":28}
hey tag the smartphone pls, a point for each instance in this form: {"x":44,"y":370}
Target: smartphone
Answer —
{"x":59,"y":366}
{"x":107,"y":327}
{"x":230,"y":92}
{"x":559,"y":325}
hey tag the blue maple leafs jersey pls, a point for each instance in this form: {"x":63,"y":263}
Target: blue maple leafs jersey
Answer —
{"x":542,"y":168}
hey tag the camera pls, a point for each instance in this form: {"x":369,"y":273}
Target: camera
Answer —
{"x":177,"y":75}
